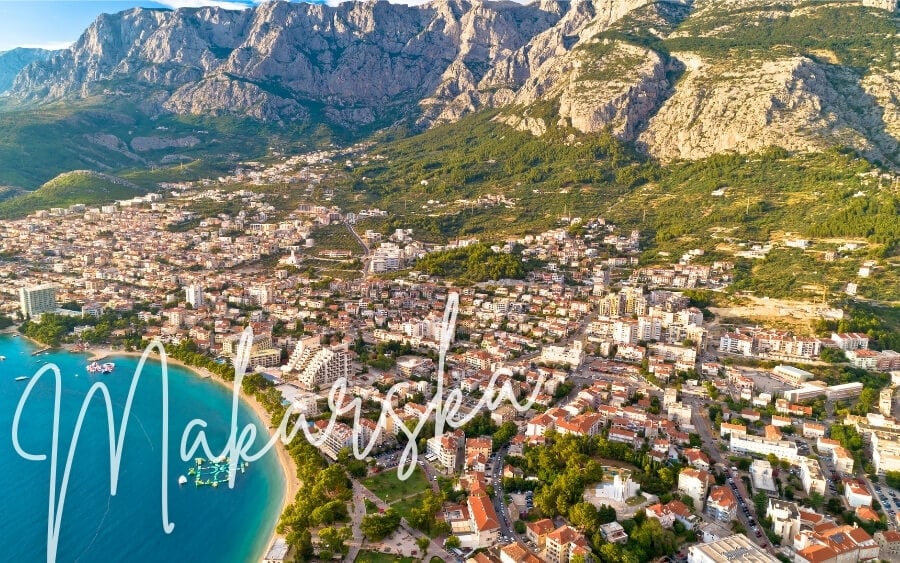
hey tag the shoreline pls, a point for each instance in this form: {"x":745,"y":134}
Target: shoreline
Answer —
{"x":288,"y":467}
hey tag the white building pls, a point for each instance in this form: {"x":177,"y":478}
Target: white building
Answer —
{"x":193,"y":294}
{"x":316,"y":365}
{"x":572,"y":356}
{"x":885,"y":452}
{"x":618,"y":489}
{"x":811,"y":475}
{"x":386,"y":258}
{"x":36,"y":300}
{"x":737,"y":548}
{"x":782,"y":449}
{"x":695,"y":484}
{"x":857,"y":495}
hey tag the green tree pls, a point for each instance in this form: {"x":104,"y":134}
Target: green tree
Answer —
{"x":335,"y":538}
{"x":761,"y":502}
{"x":376,"y":527}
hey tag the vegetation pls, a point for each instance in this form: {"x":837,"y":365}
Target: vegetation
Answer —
{"x":321,"y":501}
{"x":376,"y":527}
{"x":807,"y":32}
{"x":389,"y":488}
{"x":375,"y":557}
{"x":474,"y":263}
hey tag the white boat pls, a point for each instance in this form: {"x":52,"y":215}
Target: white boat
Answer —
{"x":108,"y":367}
{"x":22,"y":378}
{"x":182,"y":480}
{"x":2,"y":358}
{"x":94,"y":367}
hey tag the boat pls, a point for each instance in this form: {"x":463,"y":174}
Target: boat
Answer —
{"x":2,"y":358}
{"x":22,"y":378}
{"x":108,"y":367}
{"x":94,"y":367}
{"x":182,"y":480}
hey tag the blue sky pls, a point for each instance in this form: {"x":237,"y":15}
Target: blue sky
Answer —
{"x":57,"y":23}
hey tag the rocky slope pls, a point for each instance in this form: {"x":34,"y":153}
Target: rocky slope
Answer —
{"x":680,"y":80}
{"x":13,"y":61}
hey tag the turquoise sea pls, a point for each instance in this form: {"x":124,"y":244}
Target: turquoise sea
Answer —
{"x":211,"y":524}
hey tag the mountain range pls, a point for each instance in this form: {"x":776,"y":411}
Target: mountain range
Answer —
{"x":13,"y":61}
{"x":679,"y":80}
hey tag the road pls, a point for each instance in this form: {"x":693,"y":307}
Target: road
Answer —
{"x":701,"y":423}
{"x":366,"y":250}
{"x":499,"y":503}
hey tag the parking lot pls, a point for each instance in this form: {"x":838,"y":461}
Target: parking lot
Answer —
{"x":889,"y":500}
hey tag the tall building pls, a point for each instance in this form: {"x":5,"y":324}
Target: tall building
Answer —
{"x":317,"y":366}
{"x":886,"y":400}
{"x":37,"y":299}
{"x":193,"y":294}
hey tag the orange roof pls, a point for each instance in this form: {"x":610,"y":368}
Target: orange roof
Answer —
{"x":563,"y":535}
{"x":817,"y":553}
{"x":482,"y":510}
{"x":722,"y":496}
{"x":866,"y":513}
{"x":541,"y":527}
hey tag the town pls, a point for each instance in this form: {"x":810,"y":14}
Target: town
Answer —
{"x":658,"y":432}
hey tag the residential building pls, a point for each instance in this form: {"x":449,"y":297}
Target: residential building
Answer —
{"x":856,"y":493}
{"x":564,"y":542}
{"x":315,"y":366}
{"x":485,"y":525}
{"x":537,"y":532}
{"x":721,"y":503}
{"x":782,"y":449}
{"x":837,"y":544}
{"x":842,"y":460}
{"x":811,"y":475}
{"x":695,"y":484}
{"x":518,"y":553}
{"x":850,"y":341}
{"x":785,"y":518}
{"x":36,"y":300}
{"x":888,"y":545}
{"x":613,"y":532}
{"x":193,"y":294}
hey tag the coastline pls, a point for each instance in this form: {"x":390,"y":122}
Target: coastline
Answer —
{"x":288,"y":467}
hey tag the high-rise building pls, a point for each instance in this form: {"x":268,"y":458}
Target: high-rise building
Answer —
{"x":193,"y":294}
{"x":314,"y":366}
{"x":37,"y":299}
{"x":886,"y":400}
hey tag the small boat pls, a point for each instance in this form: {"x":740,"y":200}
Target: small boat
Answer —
{"x":22,"y":378}
{"x":182,"y":480}
{"x":94,"y":367}
{"x":108,"y":367}
{"x":2,"y":358}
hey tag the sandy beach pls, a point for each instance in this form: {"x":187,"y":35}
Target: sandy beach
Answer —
{"x":288,"y":467}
